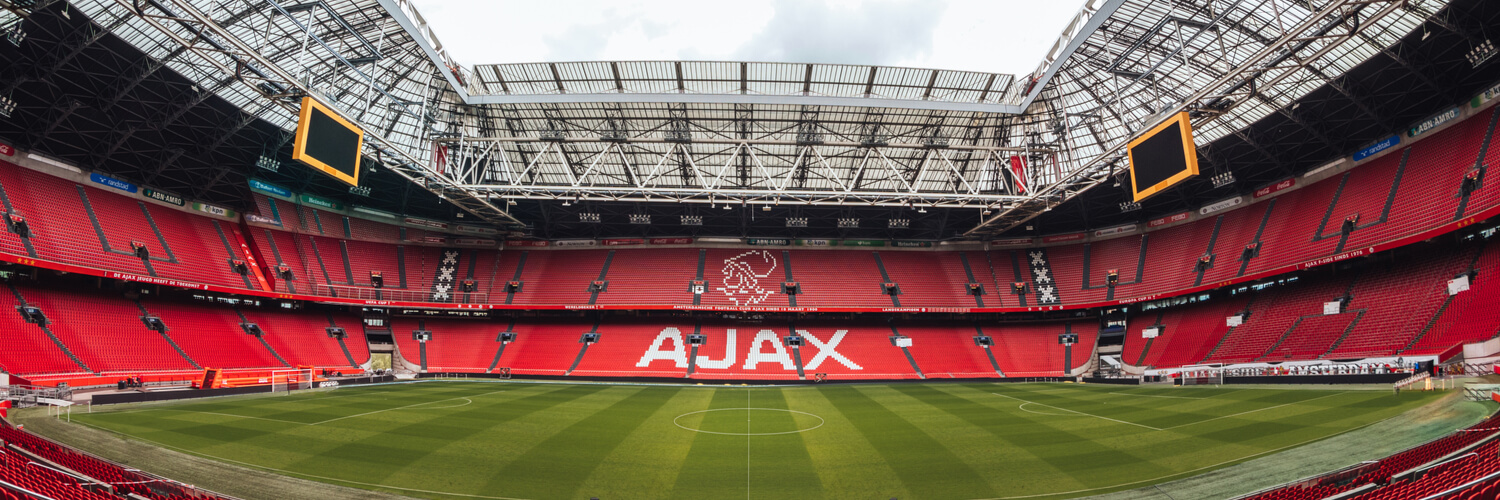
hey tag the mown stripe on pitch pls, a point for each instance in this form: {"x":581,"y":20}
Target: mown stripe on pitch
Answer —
{"x":715,"y":465}
{"x":780,"y":466}
{"x":847,"y":464}
{"x":376,"y":457}
{"x":1019,"y":457}
{"x":646,"y":463}
{"x":558,"y":465}
{"x":928,"y":468}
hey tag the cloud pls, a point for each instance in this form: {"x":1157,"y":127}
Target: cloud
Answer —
{"x":880,"y":32}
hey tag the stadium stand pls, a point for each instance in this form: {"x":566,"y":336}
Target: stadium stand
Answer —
{"x":126,"y":483}
{"x":1392,"y":477}
{"x":212,"y":336}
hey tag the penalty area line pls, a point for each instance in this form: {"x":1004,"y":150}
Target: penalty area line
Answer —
{"x":1077,"y":412}
{"x":407,"y":406}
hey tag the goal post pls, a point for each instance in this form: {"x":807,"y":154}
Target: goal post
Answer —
{"x":284,"y":381}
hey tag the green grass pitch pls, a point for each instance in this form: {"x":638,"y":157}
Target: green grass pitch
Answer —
{"x":450,"y":440}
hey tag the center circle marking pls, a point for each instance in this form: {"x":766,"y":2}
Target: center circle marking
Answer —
{"x":676,"y":422}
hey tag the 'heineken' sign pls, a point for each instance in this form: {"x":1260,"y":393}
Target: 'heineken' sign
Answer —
{"x":164,"y":197}
{"x":316,"y":201}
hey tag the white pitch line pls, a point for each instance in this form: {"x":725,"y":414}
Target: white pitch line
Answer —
{"x":402,"y":407}
{"x":1079,"y":412}
{"x":227,"y":415}
{"x":1262,"y":409}
{"x":1151,"y":395}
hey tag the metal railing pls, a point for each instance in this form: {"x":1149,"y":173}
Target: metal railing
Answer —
{"x":400,"y":295}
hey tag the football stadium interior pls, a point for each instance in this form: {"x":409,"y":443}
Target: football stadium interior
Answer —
{"x":295,"y":249}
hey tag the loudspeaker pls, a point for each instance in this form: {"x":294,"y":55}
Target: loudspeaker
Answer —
{"x":32,"y":314}
{"x":19,"y":226}
{"x":154,"y":323}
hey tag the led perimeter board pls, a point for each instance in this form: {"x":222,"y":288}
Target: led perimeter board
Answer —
{"x":327,"y":142}
{"x":1162,"y":157}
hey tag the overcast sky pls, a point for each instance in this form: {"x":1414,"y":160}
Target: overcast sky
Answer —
{"x":1006,"y":36}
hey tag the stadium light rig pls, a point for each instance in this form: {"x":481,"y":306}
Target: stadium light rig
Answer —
{"x":1481,"y":53}
{"x":898,"y":223}
{"x":588,"y":217}
{"x":1223,"y":179}
{"x":796,"y":222}
{"x":1129,"y":206}
{"x":640,"y":219}
{"x":692,"y":220}
{"x":848,"y":222}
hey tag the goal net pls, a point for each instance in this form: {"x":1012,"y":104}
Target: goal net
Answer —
{"x":290,"y":380}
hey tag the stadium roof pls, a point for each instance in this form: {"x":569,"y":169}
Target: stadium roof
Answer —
{"x":769,"y":133}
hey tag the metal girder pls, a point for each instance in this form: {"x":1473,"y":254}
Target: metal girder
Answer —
{"x":708,"y":171}
{"x":231,"y":56}
{"x":1267,"y":67}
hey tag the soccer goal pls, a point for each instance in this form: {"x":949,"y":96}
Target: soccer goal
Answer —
{"x":285,"y":381}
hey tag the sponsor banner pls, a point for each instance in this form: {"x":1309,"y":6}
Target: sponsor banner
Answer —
{"x":1063,"y":237}
{"x":7,"y":150}
{"x":780,"y":242}
{"x":484,"y":242}
{"x":1336,"y":258}
{"x":815,"y":243}
{"x":1169,"y":219}
{"x":432,"y":239}
{"x":163,"y":197}
{"x":1488,"y":95}
{"x":151,"y":280}
{"x":328,"y":384}
{"x":425,"y":223}
{"x":321,"y":202}
{"x":1370,"y":150}
{"x":1111,"y":231}
{"x":911,"y":244}
{"x":268,"y":188}
{"x":219,"y":211}
{"x":624,"y":242}
{"x":1334,"y":307}
{"x":526,"y":243}
{"x":863,"y":243}
{"x":1433,"y":122}
{"x":113,"y":182}
{"x":476,"y":230}
{"x":1011,"y":242}
{"x":1221,"y":206}
{"x":1274,"y":188}
{"x":575,"y":243}
{"x":261,"y":219}
{"x":671,"y":241}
